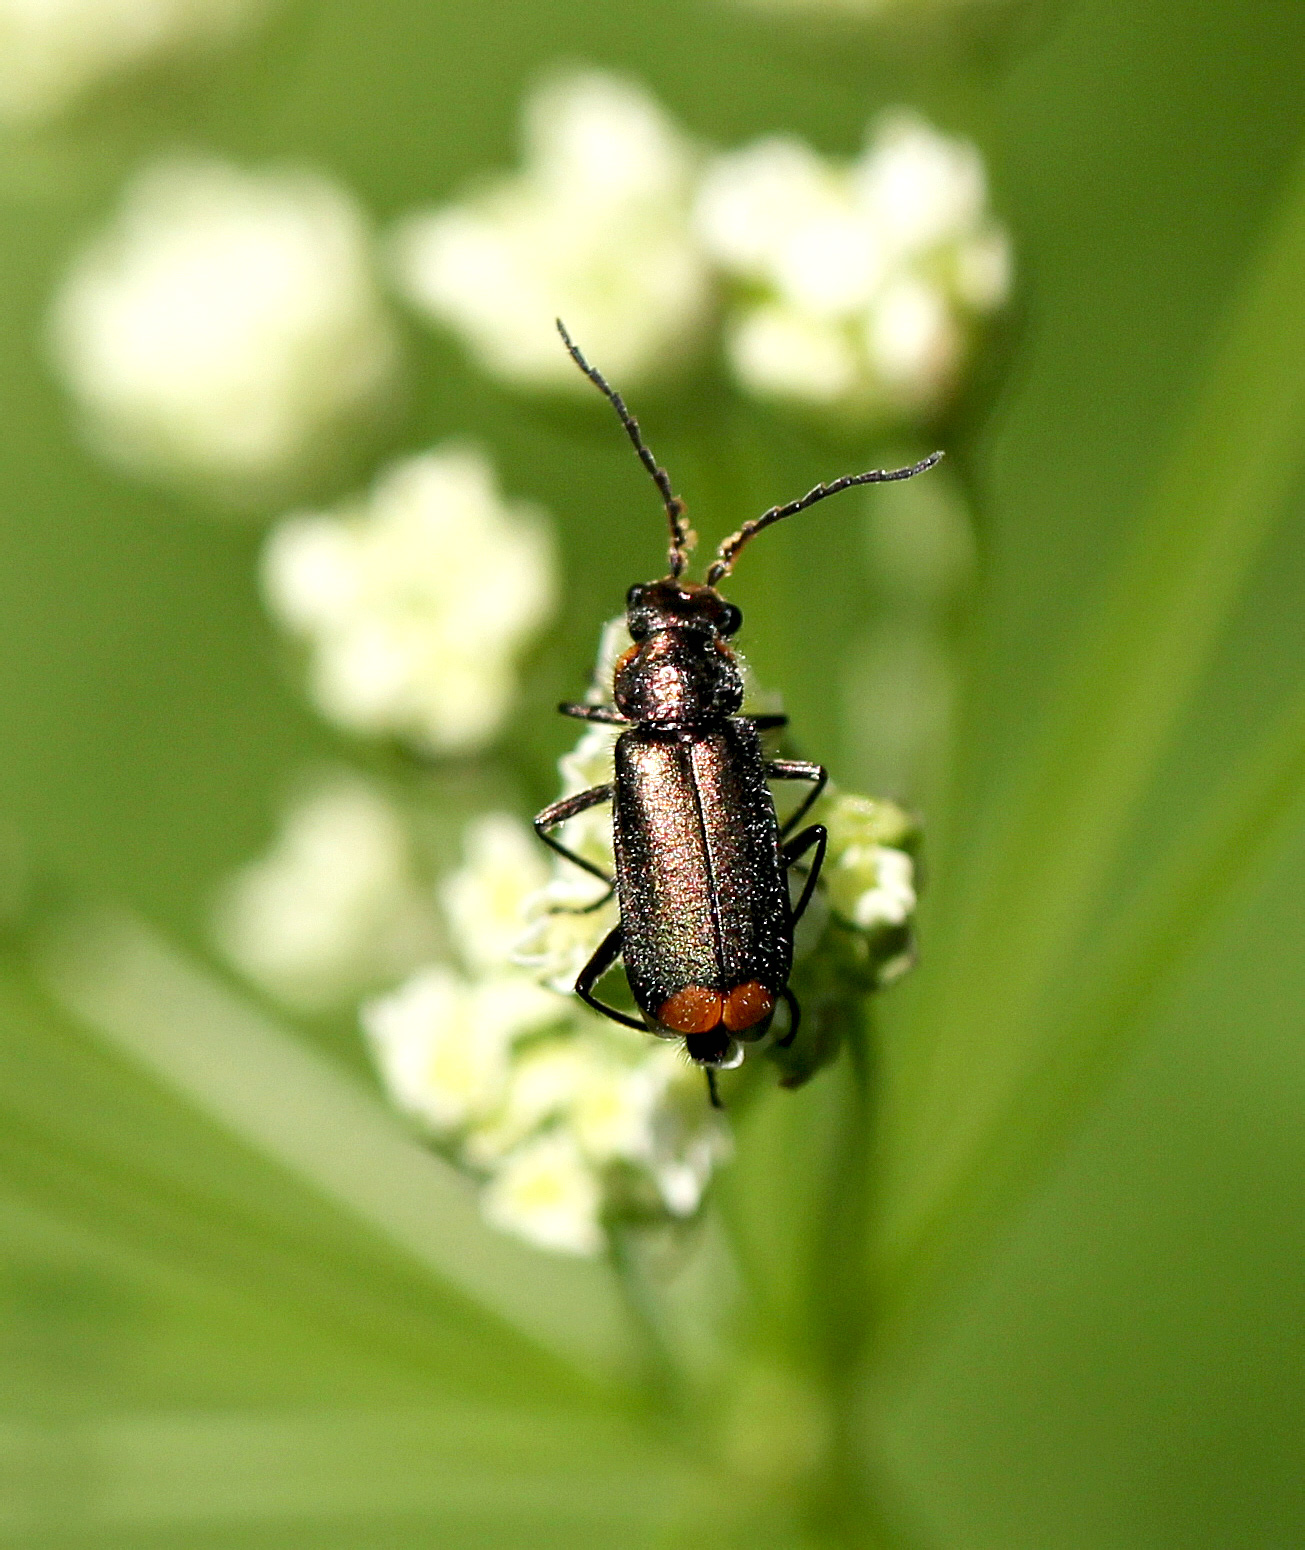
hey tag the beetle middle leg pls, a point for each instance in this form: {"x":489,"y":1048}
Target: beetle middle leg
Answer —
{"x":798,"y":769}
{"x":818,"y":836}
{"x":604,"y":958}
{"x":571,"y":807}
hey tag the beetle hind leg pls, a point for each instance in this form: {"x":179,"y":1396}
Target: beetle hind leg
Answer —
{"x":605,"y":956}
{"x":794,"y":1019}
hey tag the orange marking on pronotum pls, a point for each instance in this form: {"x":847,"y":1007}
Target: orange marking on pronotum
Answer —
{"x":695,"y":1009}
{"x":746,"y":1006}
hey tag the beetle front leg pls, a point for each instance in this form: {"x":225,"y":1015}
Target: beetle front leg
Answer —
{"x":798,"y":846}
{"x":798,"y":769}
{"x":604,"y":958}
{"x":571,"y":807}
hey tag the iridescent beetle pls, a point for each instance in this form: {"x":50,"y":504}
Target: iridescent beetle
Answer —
{"x":702,"y":861}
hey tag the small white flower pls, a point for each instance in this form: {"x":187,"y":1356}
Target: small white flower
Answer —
{"x":334,"y":907}
{"x":594,"y":229}
{"x":859,"y":288}
{"x":869,"y":875}
{"x":546,"y":1193}
{"x":416,"y":600}
{"x":443,"y":1043}
{"x":484,"y":900}
{"x":872,"y":886}
{"x":53,"y":52}
{"x":225,"y":327}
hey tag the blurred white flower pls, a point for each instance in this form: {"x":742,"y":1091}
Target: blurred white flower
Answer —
{"x":595,"y":229}
{"x":53,"y":52}
{"x":482,"y":901}
{"x":335,"y":907}
{"x":546,"y":1193}
{"x":442,"y":1042}
{"x":226,"y":326}
{"x":860,"y":287}
{"x":416,"y":600}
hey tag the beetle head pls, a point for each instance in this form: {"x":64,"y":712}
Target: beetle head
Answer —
{"x":680,"y":669}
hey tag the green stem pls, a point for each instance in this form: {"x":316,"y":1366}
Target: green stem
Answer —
{"x":661,"y":1382}
{"x":847,"y":1506}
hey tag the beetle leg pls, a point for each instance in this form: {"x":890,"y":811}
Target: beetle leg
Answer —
{"x":712,"y":1091}
{"x":584,"y":909}
{"x":794,"y":1019}
{"x":569,"y":807}
{"x":767,"y":723}
{"x":798,"y":769}
{"x":605,"y":955}
{"x":818,"y":836}
{"x":607,"y":714}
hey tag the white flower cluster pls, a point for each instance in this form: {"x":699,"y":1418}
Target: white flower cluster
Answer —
{"x":415,"y":600}
{"x":858,"y":286}
{"x":573,"y":1122}
{"x":335,"y":908}
{"x":852,"y":288}
{"x":594,"y":229}
{"x":226,"y":326}
{"x":568,"y":1119}
{"x":53,"y":52}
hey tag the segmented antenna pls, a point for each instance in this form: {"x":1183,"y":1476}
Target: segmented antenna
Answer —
{"x":729,"y":550}
{"x":682,"y":536}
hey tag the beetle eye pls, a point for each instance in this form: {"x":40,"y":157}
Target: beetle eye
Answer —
{"x":635,"y":595}
{"x":730,"y":620}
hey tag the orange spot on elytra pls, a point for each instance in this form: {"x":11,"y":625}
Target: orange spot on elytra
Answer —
{"x":695,"y":1009}
{"x":746,"y":1005}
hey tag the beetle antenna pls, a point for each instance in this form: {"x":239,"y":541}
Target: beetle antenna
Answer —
{"x":682,"y":536}
{"x":729,"y":550}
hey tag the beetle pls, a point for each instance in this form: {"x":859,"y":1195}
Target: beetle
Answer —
{"x":706,"y":919}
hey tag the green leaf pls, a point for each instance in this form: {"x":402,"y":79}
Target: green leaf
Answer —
{"x":1021,"y":913}
{"x":324,"y":1127}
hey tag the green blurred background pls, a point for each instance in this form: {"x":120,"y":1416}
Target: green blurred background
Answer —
{"x":1097,"y":1339}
